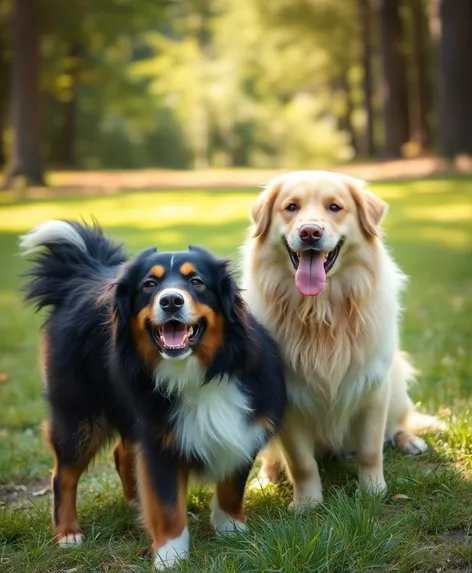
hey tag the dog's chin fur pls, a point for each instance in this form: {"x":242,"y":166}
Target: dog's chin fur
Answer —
{"x":324,"y":336}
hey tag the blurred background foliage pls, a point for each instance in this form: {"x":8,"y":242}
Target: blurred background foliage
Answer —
{"x":185,"y":84}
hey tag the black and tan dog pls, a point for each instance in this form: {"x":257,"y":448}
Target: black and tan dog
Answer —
{"x":162,"y":351}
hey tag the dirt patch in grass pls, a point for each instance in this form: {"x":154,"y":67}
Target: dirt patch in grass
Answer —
{"x":16,"y":493}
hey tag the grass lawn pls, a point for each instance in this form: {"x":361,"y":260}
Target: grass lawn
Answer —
{"x":423,"y":525}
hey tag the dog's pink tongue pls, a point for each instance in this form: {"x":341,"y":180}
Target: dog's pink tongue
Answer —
{"x":311,"y":277}
{"x":174,"y":333}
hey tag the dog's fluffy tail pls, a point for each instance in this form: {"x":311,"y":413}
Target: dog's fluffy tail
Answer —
{"x":69,"y":254}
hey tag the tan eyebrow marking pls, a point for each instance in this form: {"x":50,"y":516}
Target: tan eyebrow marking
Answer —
{"x":158,"y":271}
{"x":187,"y":268}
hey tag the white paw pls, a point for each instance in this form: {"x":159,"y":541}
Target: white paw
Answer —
{"x":369,"y":488}
{"x":71,"y":540}
{"x":172,"y":551}
{"x":305,"y":502}
{"x":415,"y":446}
{"x":222,"y":522}
{"x":260,"y":482}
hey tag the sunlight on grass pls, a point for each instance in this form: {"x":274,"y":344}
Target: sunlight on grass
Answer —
{"x":429,"y":234}
{"x":140,"y":210}
{"x":452,"y":237}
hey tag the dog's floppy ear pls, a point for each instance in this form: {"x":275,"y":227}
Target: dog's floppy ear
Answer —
{"x":122,"y":298}
{"x":232,"y":302}
{"x":261,"y":212}
{"x":371,"y":208}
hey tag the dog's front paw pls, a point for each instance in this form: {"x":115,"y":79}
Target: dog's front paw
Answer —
{"x":305,"y":502}
{"x":172,"y":551}
{"x":267,"y":476}
{"x":222,"y":522}
{"x":67,"y":539}
{"x":378,"y":489}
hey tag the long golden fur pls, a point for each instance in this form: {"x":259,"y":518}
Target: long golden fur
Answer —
{"x":347,"y":379}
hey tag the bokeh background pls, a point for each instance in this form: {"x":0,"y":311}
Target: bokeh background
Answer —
{"x":162,"y":119}
{"x":192,"y":84}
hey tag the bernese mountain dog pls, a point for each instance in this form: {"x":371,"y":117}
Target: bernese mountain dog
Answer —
{"x":161,"y":351}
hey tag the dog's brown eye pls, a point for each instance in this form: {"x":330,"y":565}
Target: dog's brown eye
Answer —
{"x":291,"y":207}
{"x":334,"y":207}
{"x":196,"y":282}
{"x":149,"y":284}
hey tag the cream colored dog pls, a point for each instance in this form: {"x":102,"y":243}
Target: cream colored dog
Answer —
{"x":319,"y":277}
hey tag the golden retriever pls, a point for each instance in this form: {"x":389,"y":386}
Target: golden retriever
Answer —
{"x":318,"y":276}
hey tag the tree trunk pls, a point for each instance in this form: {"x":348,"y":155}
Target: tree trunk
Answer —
{"x":366,"y":39}
{"x":4,"y":98}
{"x":345,"y":121}
{"x":25,"y":112}
{"x":421,"y":132}
{"x":454,"y":77}
{"x":69,"y":108}
{"x":395,"y":85}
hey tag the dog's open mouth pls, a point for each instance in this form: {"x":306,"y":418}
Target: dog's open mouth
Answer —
{"x":176,"y":338}
{"x":311,"y":267}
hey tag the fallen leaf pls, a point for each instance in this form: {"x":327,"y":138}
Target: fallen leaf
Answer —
{"x":400,"y":496}
{"x":40,"y":492}
{"x":3,"y":378}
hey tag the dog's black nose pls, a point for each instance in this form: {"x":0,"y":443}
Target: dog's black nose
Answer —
{"x":171,"y":301}
{"x":310,"y":234}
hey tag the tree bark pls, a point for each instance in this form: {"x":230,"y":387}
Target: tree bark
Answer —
{"x":4,"y":98}
{"x":454,"y":77}
{"x":25,"y":113}
{"x":422,"y":48}
{"x":69,"y":108}
{"x":345,"y":121}
{"x":395,"y":84}
{"x":364,"y":10}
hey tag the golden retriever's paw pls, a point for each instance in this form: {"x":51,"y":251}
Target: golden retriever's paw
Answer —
{"x":372,"y":489}
{"x":69,"y":539}
{"x":415,"y":446}
{"x":304,"y":503}
{"x":409,"y":444}
{"x":265,"y":478}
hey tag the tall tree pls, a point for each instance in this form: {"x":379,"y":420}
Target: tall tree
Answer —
{"x":4,"y":96}
{"x":365,"y":12}
{"x":69,"y":109}
{"x":394,"y":72}
{"x":25,"y":114}
{"x":454,"y":77}
{"x":421,"y":50}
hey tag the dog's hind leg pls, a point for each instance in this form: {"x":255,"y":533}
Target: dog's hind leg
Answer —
{"x":402,"y":418}
{"x":124,"y":457}
{"x":74,"y":446}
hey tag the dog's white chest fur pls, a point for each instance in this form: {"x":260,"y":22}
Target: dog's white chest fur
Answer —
{"x":212,"y":421}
